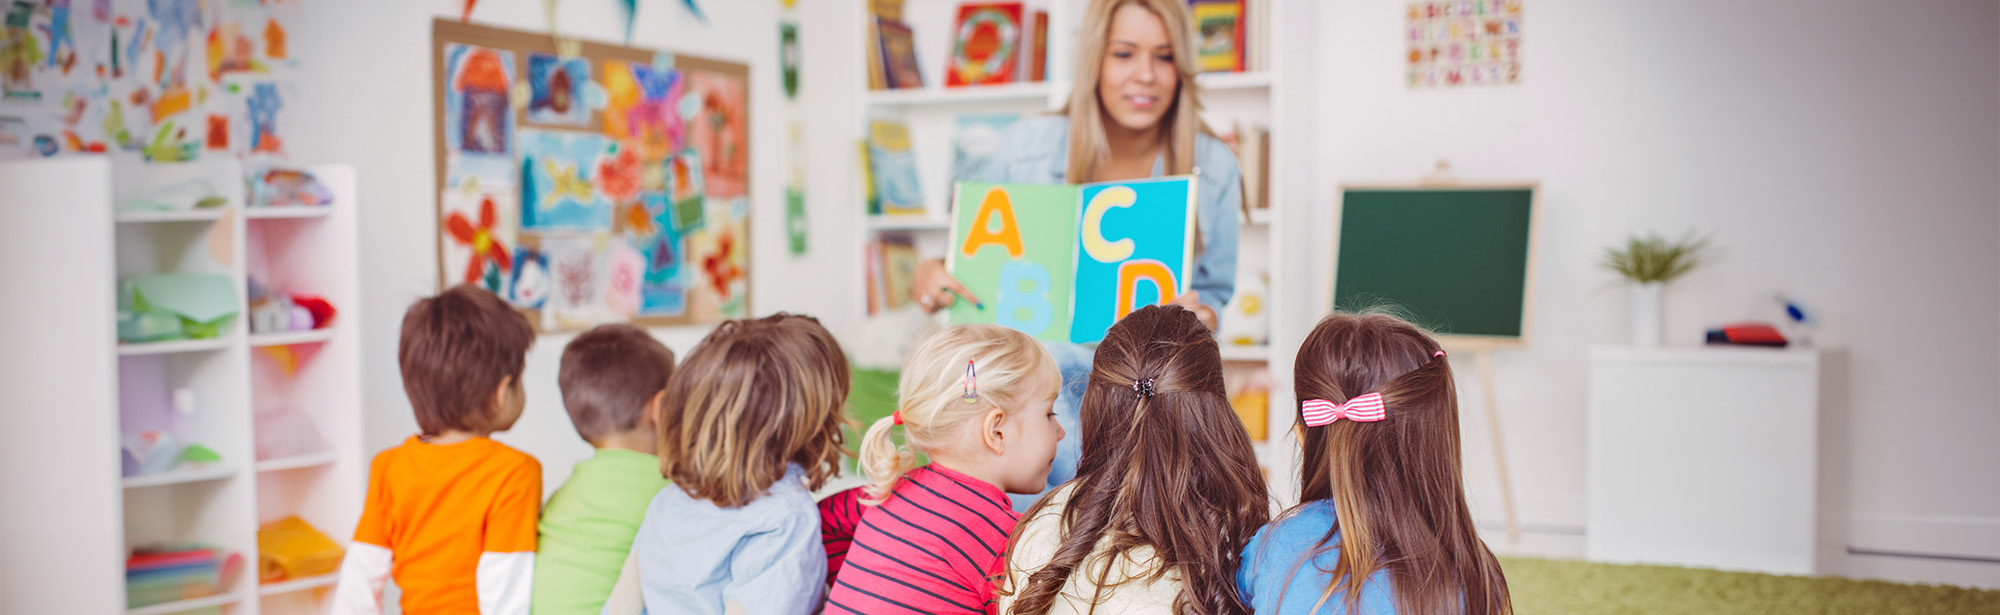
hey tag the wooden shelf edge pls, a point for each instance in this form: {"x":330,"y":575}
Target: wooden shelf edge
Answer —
{"x":295,"y":585}
{"x":182,"y":606}
{"x":292,"y":463}
{"x":288,"y":338}
{"x":179,"y":477}
{"x":174,"y":346}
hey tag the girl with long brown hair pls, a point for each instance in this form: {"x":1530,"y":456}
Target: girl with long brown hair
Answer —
{"x":1167,"y":491}
{"x":1382,"y":525}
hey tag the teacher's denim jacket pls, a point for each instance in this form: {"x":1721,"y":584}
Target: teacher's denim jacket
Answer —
{"x":1035,"y":150}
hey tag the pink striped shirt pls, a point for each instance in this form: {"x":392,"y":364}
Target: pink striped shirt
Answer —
{"x":929,"y":549}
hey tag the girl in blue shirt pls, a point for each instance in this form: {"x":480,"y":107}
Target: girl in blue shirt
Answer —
{"x":1382,"y":527}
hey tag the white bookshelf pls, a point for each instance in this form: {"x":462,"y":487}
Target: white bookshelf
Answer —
{"x":230,"y":379}
{"x":1276,"y":94}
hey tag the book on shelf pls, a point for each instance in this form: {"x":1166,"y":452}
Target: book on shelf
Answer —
{"x":1253,"y":157}
{"x":986,"y":44}
{"x":887,"y":9}
{"x":1037,"y":57}
{"x":894,"y":168}
{"x":876,"y":81}
{"x":899,"y":260}
{"x":896,"y":49}
{"x":868,"y":197}
{"x":1218,"y":26}
{"x":974,"y":143}
{"x":1256,"y":45}
{"x":1043,"y":257}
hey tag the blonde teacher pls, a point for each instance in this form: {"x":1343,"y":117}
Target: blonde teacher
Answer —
{"x":1135,"y":113}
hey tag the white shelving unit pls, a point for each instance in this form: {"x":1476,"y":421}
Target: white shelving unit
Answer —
{"x":233,"y":381}
{"x":1275,"y":96}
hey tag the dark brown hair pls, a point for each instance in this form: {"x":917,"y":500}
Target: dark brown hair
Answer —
{"x":1396,"y":484}
{"x":608,"y":375}
{"x":753,"y":397}
{"x":1174,"y":472}
{"x":457,"y":346}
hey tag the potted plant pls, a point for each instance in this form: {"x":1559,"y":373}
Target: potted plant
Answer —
{"x":1648,"y":263}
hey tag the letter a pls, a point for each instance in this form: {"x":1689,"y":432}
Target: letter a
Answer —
{"x":1131,"y":273}
{"x":996,"y":203}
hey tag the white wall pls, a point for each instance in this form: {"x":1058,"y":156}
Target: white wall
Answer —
{"x":1842,"y":152}
{"x":370,"y":106}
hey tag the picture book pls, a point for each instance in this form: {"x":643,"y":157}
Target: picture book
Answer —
{"x":897,"y":49}
{"x":973,"y":146}
{"x":986,"y":46}
{"x":894,"y":168}
{"x":899,"y":260}
{"x":1218,"y":29}
{"x":1062,"y":262}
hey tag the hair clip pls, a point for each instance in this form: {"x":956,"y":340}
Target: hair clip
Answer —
{"x":971,"y":394}
{"x":1365,"y":408}
{"x":896,"y":418}
{"x":1144,"y":388}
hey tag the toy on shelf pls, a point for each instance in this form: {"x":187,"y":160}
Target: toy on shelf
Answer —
{"x":172,"y":306}
{"x":184,"y":196}
{"x":184,"y":572}
{"x":276,"y":312}
{"x":1246,"y":321}
{"x":1250,"y":395}
{"x":286,"y":433}
{"x":280,"y":187}
{"x":154,"y":451}
{"x":290,"y":548}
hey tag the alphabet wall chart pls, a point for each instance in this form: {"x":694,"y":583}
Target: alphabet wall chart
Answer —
{"x":1062,"y":262}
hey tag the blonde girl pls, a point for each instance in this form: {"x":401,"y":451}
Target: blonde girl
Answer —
{"x":978,"y":401}
{"x":750,"y":425}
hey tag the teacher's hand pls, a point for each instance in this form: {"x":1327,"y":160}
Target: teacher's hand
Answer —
{"x":1187,"y":300}
{"x":933,"y":287}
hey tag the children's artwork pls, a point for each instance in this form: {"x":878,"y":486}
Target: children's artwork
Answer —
{"x":622,"y":193}
{"x":555,"y":90}
{"x":788,"y":57}
{"x":1063,"y":262}
{"x":1463,"y":43}
{"x":719,"y":128}
{"x":561,"y":173}
{"x":987,"y":46}
{"x":479,"y":231}
{"x":642,"y":107}
{"x":478,"y":123}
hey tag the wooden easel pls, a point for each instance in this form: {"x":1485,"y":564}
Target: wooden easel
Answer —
{"x":1482,"y":359}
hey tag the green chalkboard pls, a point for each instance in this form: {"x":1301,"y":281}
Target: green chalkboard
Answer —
{"x":1453,"y":259}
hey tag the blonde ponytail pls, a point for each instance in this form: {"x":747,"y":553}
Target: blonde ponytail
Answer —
{"x":932,"y":396}
{"x":883,"y":460}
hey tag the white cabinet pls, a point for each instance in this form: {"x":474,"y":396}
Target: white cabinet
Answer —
{"x":1704,"y":456}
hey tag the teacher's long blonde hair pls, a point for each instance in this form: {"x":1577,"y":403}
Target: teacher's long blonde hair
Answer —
{"x":1087,"y":142}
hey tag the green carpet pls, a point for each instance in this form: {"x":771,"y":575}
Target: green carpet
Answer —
{"x":1543,"y":586}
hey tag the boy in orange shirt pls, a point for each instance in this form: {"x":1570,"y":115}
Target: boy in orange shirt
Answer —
{"x":449,"y":511}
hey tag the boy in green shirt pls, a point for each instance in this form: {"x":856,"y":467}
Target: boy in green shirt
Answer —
{"x":612,"y":378}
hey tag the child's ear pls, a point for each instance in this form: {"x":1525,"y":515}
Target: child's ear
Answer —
{"x":993,"y":431}
{"x":502,"y":393}
{"x":653,"y":407}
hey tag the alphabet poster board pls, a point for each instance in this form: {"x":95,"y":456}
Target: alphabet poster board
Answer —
{"x":1457,"y":258}
{"x":1062,"y":262}
{"x":609,"y":185}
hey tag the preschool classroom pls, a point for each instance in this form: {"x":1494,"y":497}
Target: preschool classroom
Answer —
{"x":1684,"y":307}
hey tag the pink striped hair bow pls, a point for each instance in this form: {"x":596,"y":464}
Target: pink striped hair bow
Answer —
{"x":1366,"y":408}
